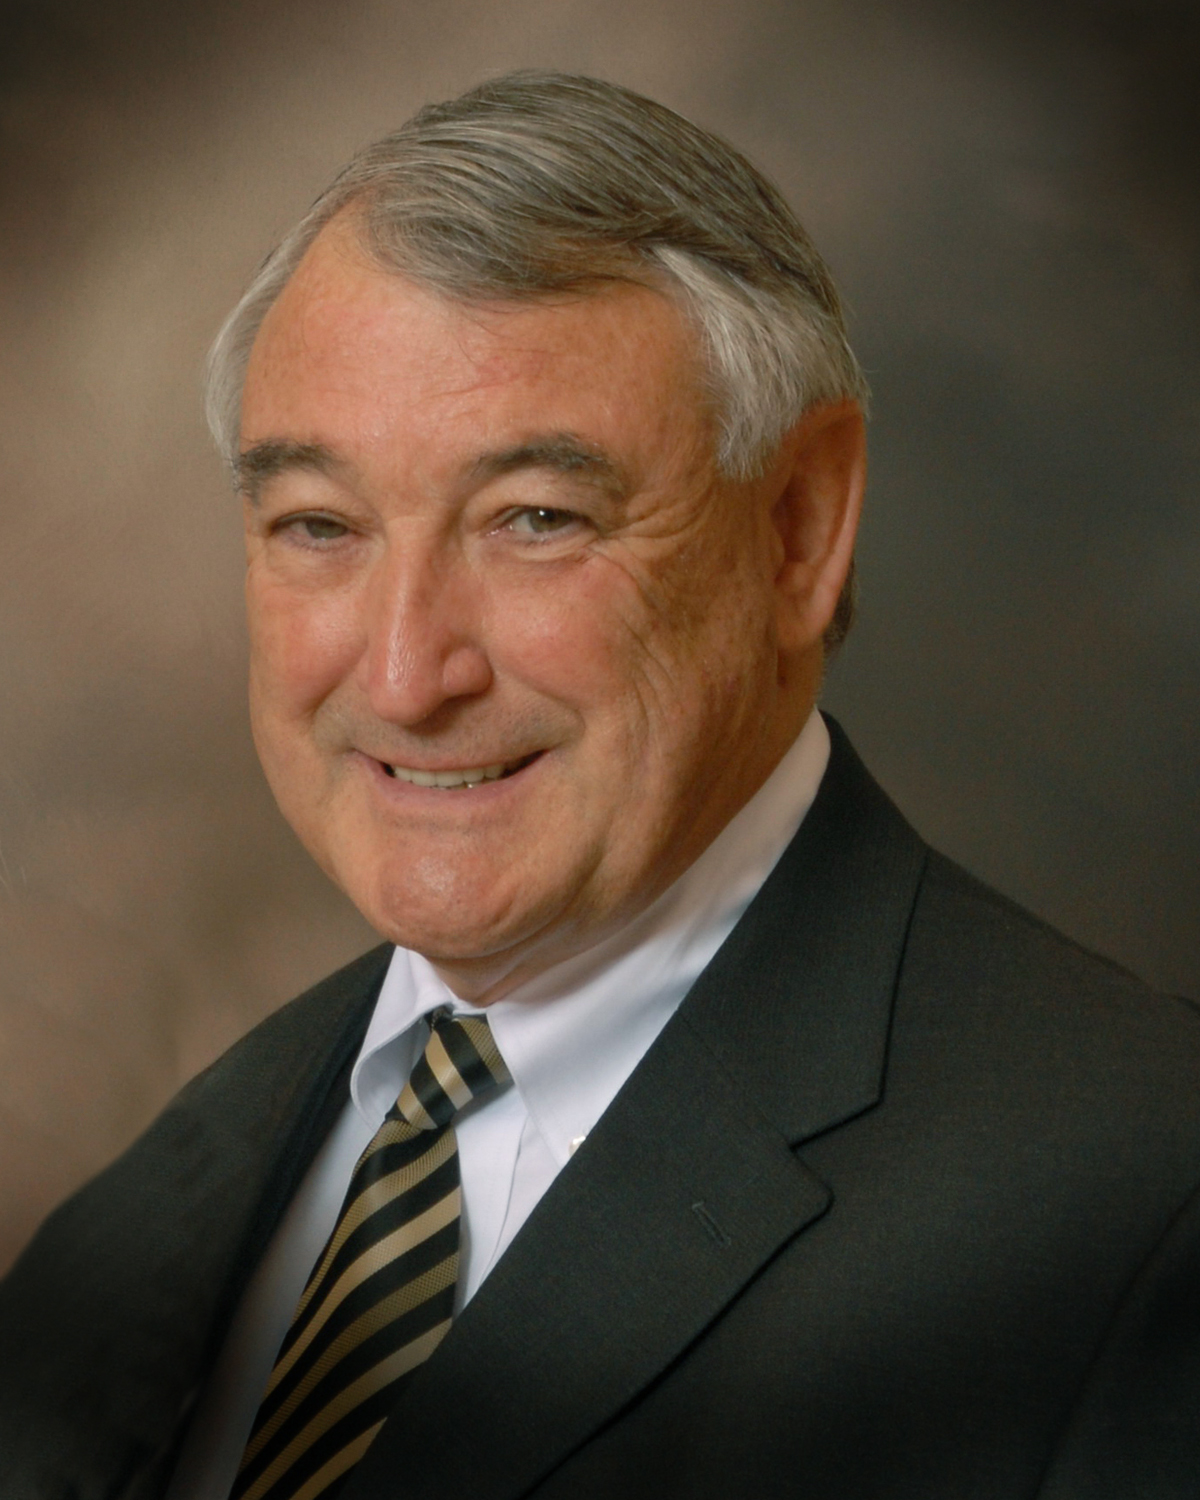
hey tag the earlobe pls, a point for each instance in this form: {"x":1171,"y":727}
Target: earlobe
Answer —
{"x":819,"y":483}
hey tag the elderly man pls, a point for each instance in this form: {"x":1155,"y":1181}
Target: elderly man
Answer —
{"x":698,"y":1131}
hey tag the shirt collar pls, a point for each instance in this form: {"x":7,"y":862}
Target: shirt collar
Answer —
{"x":571,"y":1036}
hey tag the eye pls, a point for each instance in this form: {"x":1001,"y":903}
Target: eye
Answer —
{"x":541,"y":520}
{"x":314,"y":528}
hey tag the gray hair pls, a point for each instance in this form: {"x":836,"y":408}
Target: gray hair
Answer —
{"x":539,"y":183}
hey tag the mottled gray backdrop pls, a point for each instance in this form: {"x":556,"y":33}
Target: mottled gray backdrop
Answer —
{"x":1008,"y":194}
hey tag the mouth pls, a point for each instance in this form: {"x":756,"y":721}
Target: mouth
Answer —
{"x":459,"y":780}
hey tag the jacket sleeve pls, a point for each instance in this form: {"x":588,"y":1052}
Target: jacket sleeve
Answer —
{"x":1135,"y":1429}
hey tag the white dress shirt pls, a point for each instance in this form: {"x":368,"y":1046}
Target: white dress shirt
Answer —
{"x":570,"y":1039}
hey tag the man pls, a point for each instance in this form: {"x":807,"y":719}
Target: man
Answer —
{"x":704,"y":1133}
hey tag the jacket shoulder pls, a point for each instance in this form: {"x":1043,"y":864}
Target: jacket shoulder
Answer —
{"x":288,"y":1041}
{"x":979,"y":930}
{"x":1038,"y":1026}
{"x":115,"y":1301}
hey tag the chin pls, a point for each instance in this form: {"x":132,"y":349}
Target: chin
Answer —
{"x":450,"y":919}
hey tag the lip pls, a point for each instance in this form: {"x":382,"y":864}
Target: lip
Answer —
{"x":454,"y":778}
{"x":462,"y":791}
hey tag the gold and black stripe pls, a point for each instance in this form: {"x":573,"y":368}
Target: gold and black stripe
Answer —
{"x":381,"y":1296}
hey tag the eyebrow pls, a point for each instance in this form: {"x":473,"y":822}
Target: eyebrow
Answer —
{"x":561,"y":452}
{"x":263,"y":461}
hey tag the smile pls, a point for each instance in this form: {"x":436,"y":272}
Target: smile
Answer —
{"x":450,"y":780}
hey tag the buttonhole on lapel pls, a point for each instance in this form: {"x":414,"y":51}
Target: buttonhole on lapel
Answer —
{"x":711,"y":1227}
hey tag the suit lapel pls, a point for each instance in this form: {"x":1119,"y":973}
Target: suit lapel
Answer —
{"x":689,"y":1184}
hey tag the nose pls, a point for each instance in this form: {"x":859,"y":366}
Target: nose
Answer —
{"x":423,"y":646}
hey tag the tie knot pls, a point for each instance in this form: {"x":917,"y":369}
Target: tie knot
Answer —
{"x":461,"y":1062}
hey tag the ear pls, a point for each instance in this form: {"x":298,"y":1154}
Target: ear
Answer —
{"x":818,"y":481}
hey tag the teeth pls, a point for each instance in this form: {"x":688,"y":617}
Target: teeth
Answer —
{"x":449,"y":778}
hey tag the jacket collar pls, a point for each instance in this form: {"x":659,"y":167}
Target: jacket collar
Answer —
{"x":797,"y":1004}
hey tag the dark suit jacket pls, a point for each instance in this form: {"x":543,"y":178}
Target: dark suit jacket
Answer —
{"x":903,"y":1202}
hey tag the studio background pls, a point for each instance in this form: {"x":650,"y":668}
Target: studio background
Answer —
{"x":1008,"y":198}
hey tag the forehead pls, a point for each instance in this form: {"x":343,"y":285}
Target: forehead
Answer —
{"x":354,"y":353}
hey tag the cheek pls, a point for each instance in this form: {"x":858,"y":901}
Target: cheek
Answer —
{"x":302,"y":645}
{"x":653,"y":662}
{"x":711,"y":659}
{"x":703,"y":619}
{"x":568,"y":636}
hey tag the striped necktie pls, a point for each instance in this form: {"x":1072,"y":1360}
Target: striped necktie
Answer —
{"x":381,"y":1297}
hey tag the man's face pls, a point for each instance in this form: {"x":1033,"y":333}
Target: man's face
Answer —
{"x":489,"y":546}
